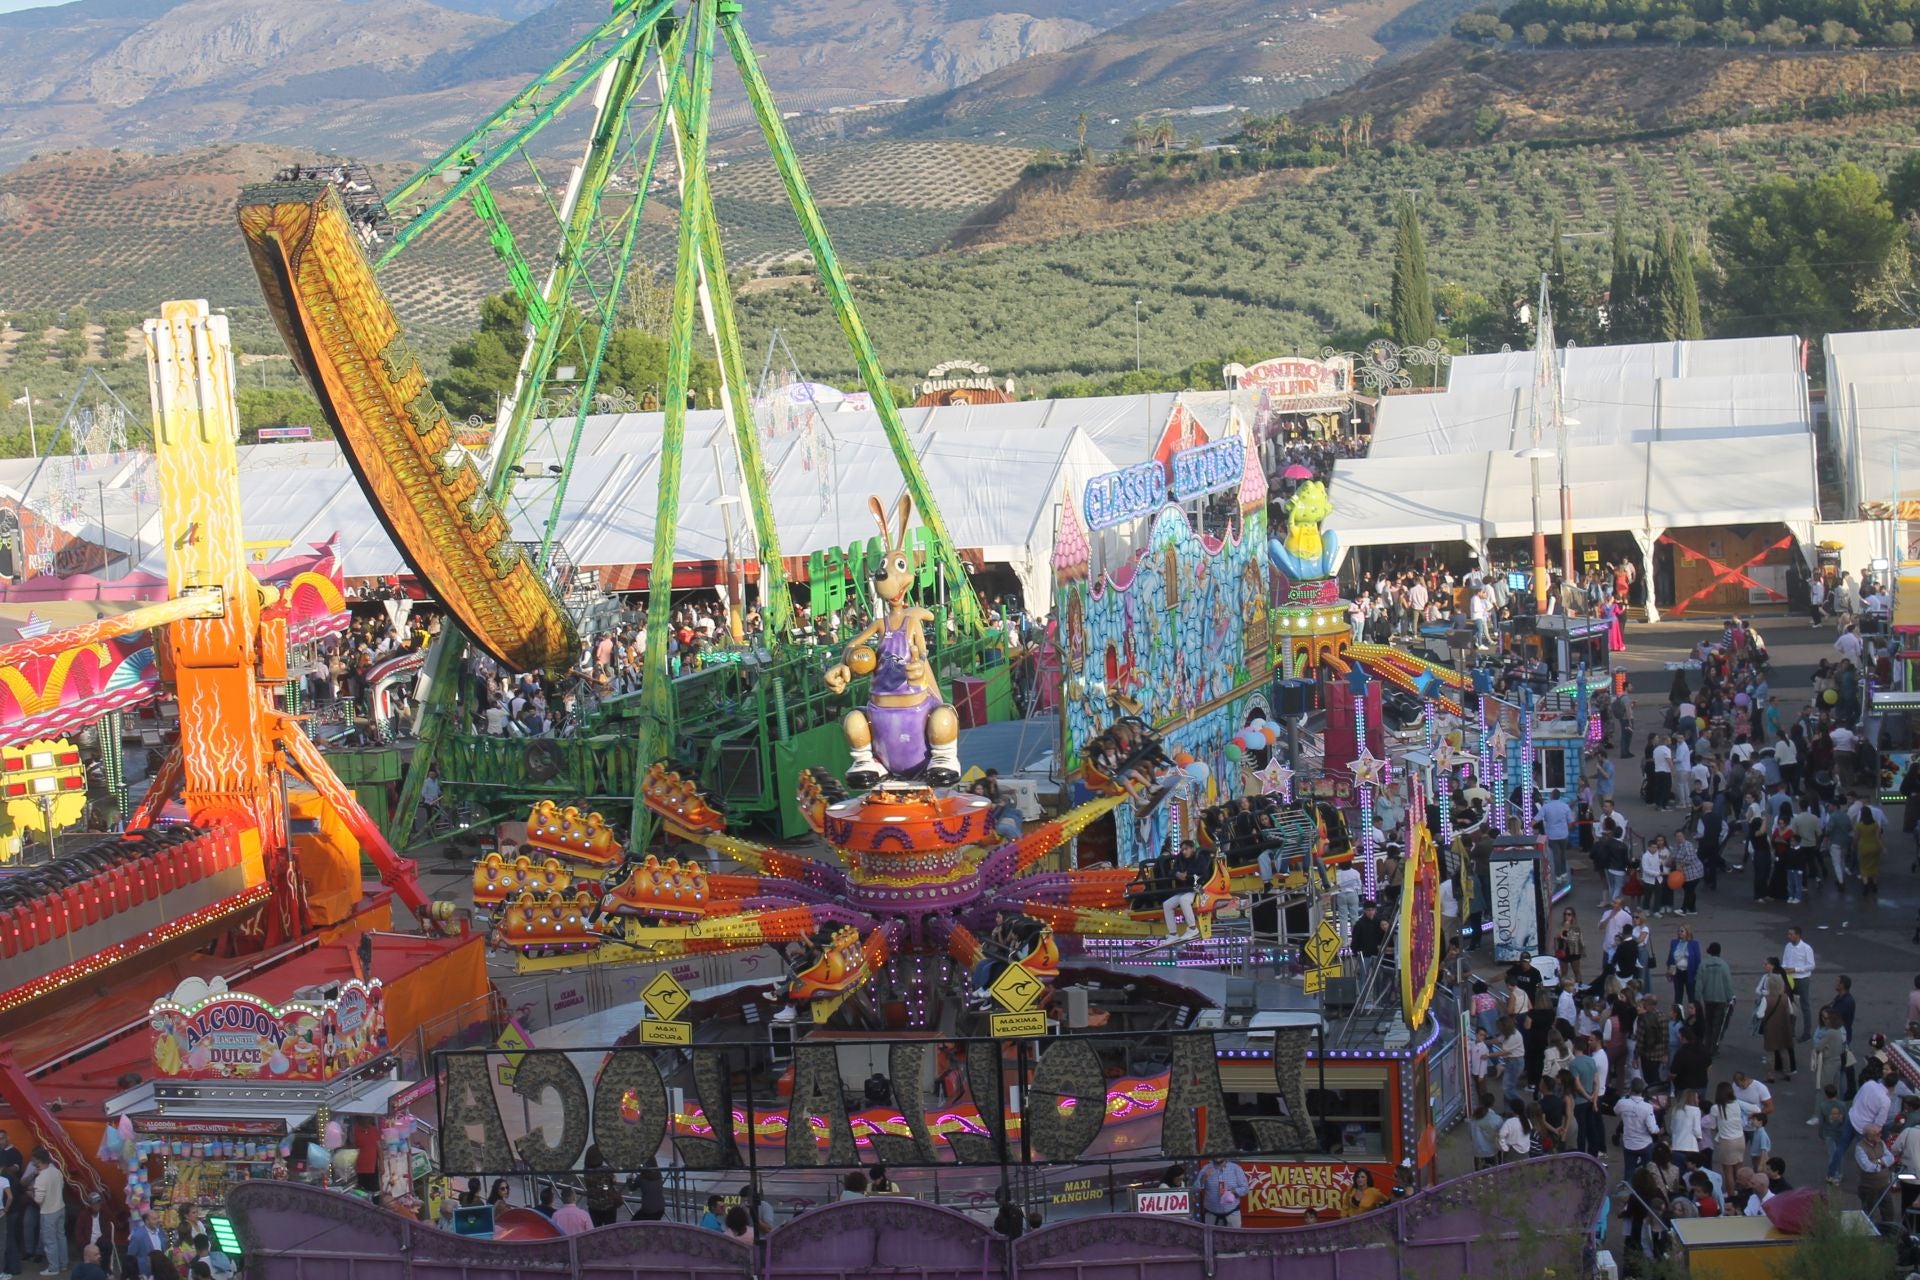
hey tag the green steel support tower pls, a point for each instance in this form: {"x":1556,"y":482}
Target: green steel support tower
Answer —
{"x":590,"y":231}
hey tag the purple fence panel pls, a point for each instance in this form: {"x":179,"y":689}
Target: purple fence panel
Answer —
{"x":289,"y":1231}
{"x":1520,"y":1220}
{"x":885,"y":1236}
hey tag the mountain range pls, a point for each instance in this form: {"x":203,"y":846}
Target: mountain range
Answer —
{"x":400,"y":79}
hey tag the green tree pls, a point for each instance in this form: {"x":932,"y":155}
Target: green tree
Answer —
{"x":279,"y":407}
{"x":481,"y":368}
{"x":1690,"y":324}
{"x":1410,"y":311}
{"x":637,"y":363}
{"x":1903,"y":186}
{"x":1623,"y":283}
{"x":1803,"y":255}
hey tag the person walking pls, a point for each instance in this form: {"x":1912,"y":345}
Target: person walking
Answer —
{"x":50,"y":1197}
{"x":1797,"y":962}
{"x":1714,"y":987}
{"x":1776,"y":1022}
{"x":1683,"y":966}
{"x":1687,"y":861}
{"x":1829,"y":1047}
{"x":1868,"y":844}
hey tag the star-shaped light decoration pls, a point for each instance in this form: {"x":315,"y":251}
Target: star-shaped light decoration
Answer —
{"x":1276,"y":779}
{"x":1499,"y":740}
{"x":1446,"y":757}
{"x":1369,"y":770}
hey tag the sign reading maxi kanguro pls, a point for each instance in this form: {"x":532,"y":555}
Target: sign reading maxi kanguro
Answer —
{"x":1068,"y":1099}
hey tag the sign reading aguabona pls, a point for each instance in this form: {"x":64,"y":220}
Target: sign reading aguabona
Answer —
{"x":556,"y":1111}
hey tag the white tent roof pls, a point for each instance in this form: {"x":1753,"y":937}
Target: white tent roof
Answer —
{"x":1668,"y":435}
{"x":1615,"y":395}
{"x":999,"y":471}
{"x":1631,"y":362}
{"x":1640,"y":488}
{"x":1873,"y":412}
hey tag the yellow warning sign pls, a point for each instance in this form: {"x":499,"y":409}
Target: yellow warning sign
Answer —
{"x":1323,"y":948}
{"x":1016,"y":989}
{"x":666,"y":997}
{"x":655,"y":1031}
{"x":1031,"y":1023}
{"x":1314,"y":981}
{"x":516,"y":1043}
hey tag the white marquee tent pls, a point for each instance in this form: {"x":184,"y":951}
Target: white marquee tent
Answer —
{"x":1665,"y":436}
{"x":998,"y":472}
{"x":1873,"y":409}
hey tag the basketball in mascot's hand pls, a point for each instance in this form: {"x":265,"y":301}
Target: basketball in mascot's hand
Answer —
{"x":862,"y":660}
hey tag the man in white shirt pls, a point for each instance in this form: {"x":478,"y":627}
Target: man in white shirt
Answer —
{"x":1480,"y":609}
{"x":1615,"y":924}
{"x":1796,"y":960}
{"x":1847,"y":645}
{"x":1556,"y":822}
{"x":1872,"y":1109}
{"x":1662,"y":772}
{"x":1601,"y":1066}
{"x":1755,"y":1094}
{"x":1613,"y":822}
{"x":1638,"y":1125}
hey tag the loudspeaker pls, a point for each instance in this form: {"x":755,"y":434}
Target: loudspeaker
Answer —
{"x":738,"y":774}
{"x":1294,"y":697}
{"x":1340,"y":994}
{"x":1076,"y":1002}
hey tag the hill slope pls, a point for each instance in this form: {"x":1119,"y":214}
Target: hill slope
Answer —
{"x":1292,"y":270}
{"x":1260,"y":55}
{"x":119,"y":230}
{"x":1434,"y":96}
{"x":402,"y":78}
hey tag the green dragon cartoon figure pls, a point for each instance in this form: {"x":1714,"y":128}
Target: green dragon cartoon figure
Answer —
{"x":1307,"y":552}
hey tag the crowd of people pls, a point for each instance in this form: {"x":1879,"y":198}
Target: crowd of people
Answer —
{"x":1404,"y":599}
{"x":1625,"y":1041}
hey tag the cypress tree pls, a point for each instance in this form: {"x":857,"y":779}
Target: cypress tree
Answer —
{"x":1623,"y":286}
{"x":1411,"y":307}
{"x":1686,"y":289}
{"x":1666,"y":290}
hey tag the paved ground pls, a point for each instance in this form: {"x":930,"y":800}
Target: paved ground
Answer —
{"x":1869,"y":939}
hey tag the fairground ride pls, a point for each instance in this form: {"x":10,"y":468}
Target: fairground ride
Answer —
{"x":259,"y":869}
{"x":646,"y":78}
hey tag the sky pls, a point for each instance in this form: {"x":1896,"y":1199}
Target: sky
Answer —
{"x":9,"y":6}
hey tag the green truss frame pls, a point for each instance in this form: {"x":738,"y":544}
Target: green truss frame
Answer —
{"x":678,"y":40}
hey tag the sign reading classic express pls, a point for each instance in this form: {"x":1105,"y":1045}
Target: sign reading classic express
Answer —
{"x":560,"y":1103}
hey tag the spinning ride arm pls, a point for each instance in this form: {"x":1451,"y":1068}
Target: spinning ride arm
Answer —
{"x":1404,"y":671}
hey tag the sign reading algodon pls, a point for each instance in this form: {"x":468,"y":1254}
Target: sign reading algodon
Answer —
{"x":621,"y":1105}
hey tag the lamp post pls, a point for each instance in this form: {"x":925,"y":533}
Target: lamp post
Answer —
{"x":1136,"y":335}
{"x":1566,"y":490}
{"x":1535,"y":456}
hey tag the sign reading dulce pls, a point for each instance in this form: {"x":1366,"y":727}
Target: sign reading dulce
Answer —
{"x":229,"y":1035}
